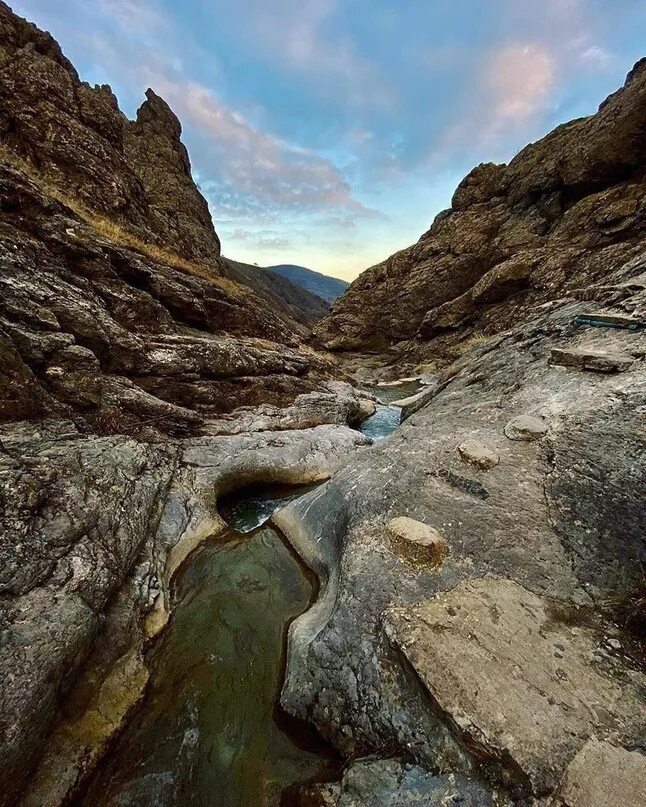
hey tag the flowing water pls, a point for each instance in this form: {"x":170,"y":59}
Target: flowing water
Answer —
{"x":207,"y":732}
{"x":387,"y":417}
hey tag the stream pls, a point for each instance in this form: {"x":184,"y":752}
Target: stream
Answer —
{"x":209,"y":731}
{"x":387,"y":417}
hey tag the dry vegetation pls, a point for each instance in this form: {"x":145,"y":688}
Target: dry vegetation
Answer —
{"x":115,"y":232}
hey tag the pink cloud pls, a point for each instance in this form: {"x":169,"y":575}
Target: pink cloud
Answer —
{"x":519,"y":79}
{"x":251,"y":163}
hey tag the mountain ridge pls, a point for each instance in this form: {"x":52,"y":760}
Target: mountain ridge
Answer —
{"x":324,"y":286}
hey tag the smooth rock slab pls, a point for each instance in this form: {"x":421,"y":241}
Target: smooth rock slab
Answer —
{"x":478,"y":454}
{"x":595,"y":360}
{"x":418,"y":536}
{"x":602,"y":775}
{"x":522,"y":685}
{"x":526,"y":427}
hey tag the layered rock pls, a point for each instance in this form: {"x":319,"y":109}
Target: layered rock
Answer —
{"x":91,"y":532}
{"x":136,"y":173}
{"x":94,"y":329}
{"x":567,"y":212}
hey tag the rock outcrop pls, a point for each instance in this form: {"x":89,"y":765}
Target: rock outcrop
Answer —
{"x":136,"y":173}
{"x":503,"y":661}
{"x":566,"y":213}
{"x":92,"y":329}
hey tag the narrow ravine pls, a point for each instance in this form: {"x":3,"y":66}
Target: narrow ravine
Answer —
{"x":207,"y":732}
{"x":387,"y":416}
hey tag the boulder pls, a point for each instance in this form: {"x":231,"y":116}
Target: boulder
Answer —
{"x":425,"y":541}
{"x":477,"y":453}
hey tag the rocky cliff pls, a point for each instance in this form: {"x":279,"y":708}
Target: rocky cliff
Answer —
{"x":476,"y":636}
{"x":565,"y":213}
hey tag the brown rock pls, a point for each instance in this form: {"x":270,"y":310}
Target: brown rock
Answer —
{"x":479,"y":454}
{"x":425,"y":541}
{"x":564,"y":214}
{"x":589,"y":359}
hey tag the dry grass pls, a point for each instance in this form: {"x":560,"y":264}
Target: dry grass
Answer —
{"x":115,"y":232}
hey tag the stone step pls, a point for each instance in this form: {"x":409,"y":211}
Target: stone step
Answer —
{"x":596,"y":360}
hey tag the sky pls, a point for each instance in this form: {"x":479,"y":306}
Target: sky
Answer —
{"x":329,"y":133}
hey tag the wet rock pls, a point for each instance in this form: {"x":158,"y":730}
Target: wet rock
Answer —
{"x":477,"y":453}
{"x":598,"y":361}
{"x":390,"y":783}
{"x":91,"y":531}
{"x":602,"y":774}
{"x":548,"y":524}
{"x":526,"y":428}
{"x":501,"y":638}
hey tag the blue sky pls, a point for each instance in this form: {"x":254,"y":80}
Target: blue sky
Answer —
{"x":330,"y":132}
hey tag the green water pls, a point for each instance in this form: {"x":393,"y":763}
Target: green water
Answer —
{"x":206,"y":733}
{"x":249,"y":508}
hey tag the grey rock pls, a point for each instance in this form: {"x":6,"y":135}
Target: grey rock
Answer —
{"x":390,"y":783}
{"x":491,"y":629}
{"x":526,"y":427}
{"x":602,"y":775}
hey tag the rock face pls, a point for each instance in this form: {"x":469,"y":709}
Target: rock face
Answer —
{"x":135,"y":173}
{"x":506,"y":659}
{"x":93,"y":329}
{"x":566,"y":213}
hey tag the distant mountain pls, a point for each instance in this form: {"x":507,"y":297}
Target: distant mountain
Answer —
{"x":291,"y":297}
{"x":329,"y":288}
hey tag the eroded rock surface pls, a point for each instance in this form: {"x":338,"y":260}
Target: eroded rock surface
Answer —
{"x":91,"y":531}
{"x":514,"y":679}
{"x":559,"y":517}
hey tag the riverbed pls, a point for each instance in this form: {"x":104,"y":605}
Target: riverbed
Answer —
{"x":209,"y":731}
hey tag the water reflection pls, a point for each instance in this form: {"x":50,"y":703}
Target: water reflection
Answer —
{"x":387,"y":417}
{"x":206,"y":733}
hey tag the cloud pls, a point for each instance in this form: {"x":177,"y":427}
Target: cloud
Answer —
{"x":309,"y":37}
{"x":133,"y":12}
{"x":273,"y":243}
{"x":246,"y":169}
{"x":519,"y":79}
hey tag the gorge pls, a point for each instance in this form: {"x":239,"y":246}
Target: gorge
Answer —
{"x":255,"y":551}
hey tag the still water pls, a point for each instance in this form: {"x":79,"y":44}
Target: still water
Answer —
{"x":208,"y":733}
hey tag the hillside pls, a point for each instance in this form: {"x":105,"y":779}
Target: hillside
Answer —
{"x":329,"y":288}
{"x":565,"y":213}
{"x":288,"y":295}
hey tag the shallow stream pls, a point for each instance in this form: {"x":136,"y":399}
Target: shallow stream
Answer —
{"x":387,"y":417}
{"x":209,"y":731}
